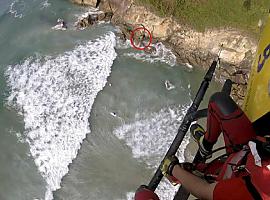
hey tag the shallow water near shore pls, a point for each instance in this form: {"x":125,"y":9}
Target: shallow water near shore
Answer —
{"x":82,"y":117}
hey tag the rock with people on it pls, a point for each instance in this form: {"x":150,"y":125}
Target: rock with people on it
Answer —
{"x":141,"y":39}
{"x":61,"y":25}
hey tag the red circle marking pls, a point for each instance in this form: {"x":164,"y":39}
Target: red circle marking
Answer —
{"x":132,"y":41}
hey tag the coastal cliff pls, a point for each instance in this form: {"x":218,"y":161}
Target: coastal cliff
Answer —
{"x":191,"y":46}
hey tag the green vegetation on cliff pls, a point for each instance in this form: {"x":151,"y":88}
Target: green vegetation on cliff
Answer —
{"x":201,"y":14}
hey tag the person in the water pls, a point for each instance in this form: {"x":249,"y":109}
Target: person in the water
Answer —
{"x":61,"y":25}
{"x":64,"y":25}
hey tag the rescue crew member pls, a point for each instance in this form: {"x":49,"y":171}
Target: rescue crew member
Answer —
{"x":252,"y":182}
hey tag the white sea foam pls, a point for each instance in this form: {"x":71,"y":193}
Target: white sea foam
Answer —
{"x":55,"y":95}
{"x":122,"y":44}
{"x":16,"y":8}
{"x":169,"y":85}
{"x":189,"y":66}
{"x":162,"y":54}
{"x":45,"y":4}
{"x":92,"y":10}
{"x":20,"y":137}
{"x":149,"y":139}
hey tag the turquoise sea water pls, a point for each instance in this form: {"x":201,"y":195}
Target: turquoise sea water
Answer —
{"x":82,"y":115}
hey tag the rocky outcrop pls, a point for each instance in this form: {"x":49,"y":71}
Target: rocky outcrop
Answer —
{"x":190,"y":46}
{"x":91,"y":18}
{"x":85,"y":2}
{"x":199,"y":49}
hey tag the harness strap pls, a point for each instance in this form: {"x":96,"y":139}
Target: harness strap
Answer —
{"x":244,"y":159}
{"x":263,"y":139}
{"x":251,"y":188}
{"x":263,"y":146}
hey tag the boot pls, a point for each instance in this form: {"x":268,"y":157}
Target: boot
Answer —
{"x":205,"y":148}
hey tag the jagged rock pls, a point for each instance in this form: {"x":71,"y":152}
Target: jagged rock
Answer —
{"x":150,"y":50}
{"x":92,"y":18}
{"x":125,"y":29}
{"x":239,"y":79}
{"x":85,"y":2}
{"x":108,"y":16}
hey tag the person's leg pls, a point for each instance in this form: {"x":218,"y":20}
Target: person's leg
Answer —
{"x":98,"y":2}
{"x":225,"y":116}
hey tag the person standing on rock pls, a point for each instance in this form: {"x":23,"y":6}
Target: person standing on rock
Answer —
{"x":142,"y":37}
{"x":82,"y":2}
{"x":98,"y":2}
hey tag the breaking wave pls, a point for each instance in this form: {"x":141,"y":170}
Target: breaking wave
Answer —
{"x":149,"y":139}
{"x":55,"y":96}
{"x":16,"y":8}
{"x":162,"y":54}
{"x":45,"y":4}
